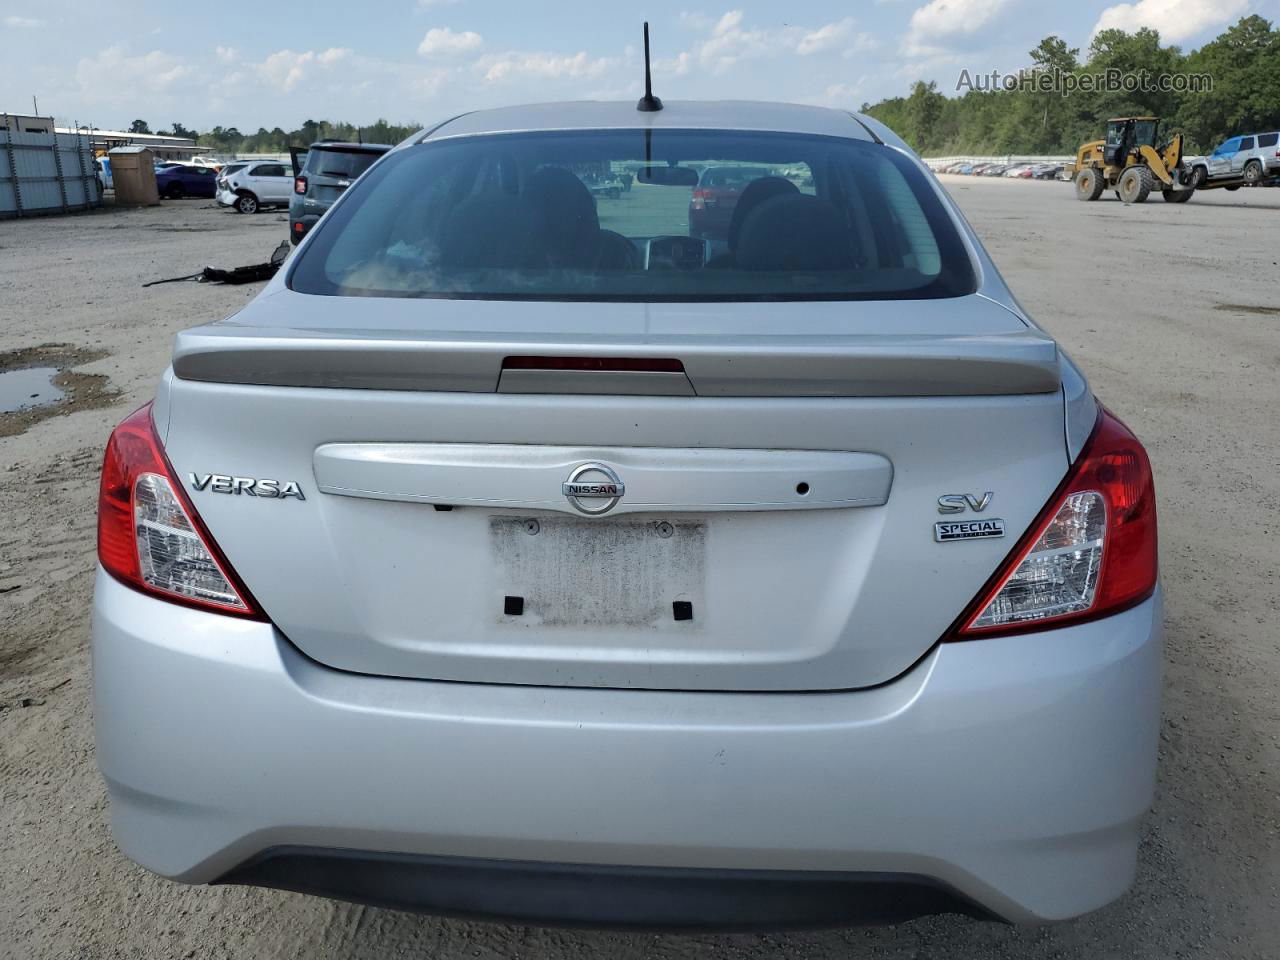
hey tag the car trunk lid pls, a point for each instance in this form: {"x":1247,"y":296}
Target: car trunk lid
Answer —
{"x":767,"y":526}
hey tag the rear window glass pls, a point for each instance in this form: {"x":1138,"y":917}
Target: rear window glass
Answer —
{"x":339,"y":163}
{"x":642,"y":216}
{"x":1268,"y":140}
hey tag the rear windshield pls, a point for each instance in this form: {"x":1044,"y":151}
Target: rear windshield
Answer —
{"x":641,"y":216}
{"x":348,"y":164}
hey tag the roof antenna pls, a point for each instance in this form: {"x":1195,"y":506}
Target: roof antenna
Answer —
{"x":648,"y":103}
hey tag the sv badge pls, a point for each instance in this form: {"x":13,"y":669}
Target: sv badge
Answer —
{"x":959,"y":502}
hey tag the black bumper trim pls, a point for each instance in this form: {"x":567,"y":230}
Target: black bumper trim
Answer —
{"x":585,"y":895}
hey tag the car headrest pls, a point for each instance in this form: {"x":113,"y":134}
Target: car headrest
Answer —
{"x":756,"y":193}
{"x":794,"y":232}
{"x":489,"y":230}
{"x":565,"y":211}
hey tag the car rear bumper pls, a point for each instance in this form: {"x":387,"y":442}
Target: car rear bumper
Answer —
{"x":1011,"y":774}
{"x":561,"y":894}
{"x":226,"y":198}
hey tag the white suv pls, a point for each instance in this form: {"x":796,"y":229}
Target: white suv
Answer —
{"x":517,"y":554}
{"x":256,"y":185}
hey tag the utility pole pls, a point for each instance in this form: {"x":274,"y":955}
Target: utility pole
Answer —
{"x":35,"y":107}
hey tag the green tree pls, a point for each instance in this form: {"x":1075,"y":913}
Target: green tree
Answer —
{"x":1241,"y":64}
{"x":922,"y":111}
{"x":139,"y":126}
{"x":1244,"y":95}
{"x":1134,"y":54}
{"x":1055,"y":113}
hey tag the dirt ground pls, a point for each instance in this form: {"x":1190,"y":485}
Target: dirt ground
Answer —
{"x":1174,"y":312}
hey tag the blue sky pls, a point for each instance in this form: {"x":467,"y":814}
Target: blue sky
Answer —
{"x":256,"y":64}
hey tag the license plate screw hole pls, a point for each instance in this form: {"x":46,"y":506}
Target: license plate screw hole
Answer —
{"x":531,"y":527}
{"x":665,"y":530}
{"x":802,"y":489}
{"x":682,"y":610}
{"x":513,"y":606}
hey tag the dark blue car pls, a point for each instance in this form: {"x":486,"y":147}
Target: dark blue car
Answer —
{"x":186,"y":181}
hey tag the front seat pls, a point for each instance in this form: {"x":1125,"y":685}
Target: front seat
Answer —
{"x":489,"y":231}
{"x":565,"y":213}
{"x":795,"y":232}
{"x":753,"y":195}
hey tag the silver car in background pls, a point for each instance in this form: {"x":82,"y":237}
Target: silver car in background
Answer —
{"x":516,"y":554}
{"x":1251,"y":159}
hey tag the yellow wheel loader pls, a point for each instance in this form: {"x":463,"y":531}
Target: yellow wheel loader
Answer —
{"x":1129,"y":162}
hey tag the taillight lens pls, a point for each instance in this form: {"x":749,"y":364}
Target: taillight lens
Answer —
{"x":299,"y":184}
{"x":1092,"y":551}
{"x":150,"y":536}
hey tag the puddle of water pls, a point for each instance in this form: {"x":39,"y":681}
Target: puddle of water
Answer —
{"x":33,"y":387}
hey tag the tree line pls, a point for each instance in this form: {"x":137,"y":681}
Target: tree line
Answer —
{"x":1244,"y":96}
{"x":229,"y":140}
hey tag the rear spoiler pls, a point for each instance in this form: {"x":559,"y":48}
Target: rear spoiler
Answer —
{"x":1022,"y":362}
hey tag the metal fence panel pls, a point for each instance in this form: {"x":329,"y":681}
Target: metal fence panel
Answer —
{"x":46,"y":173}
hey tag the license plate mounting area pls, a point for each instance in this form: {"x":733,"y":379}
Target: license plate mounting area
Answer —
{"x":641,"y":574}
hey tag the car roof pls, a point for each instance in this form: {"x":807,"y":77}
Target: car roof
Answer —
{"x":675,"y":115}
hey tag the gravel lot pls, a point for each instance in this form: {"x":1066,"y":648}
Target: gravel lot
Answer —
{"x":1173,"y":311}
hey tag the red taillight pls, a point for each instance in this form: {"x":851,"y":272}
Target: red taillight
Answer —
{"x":1091,"y":552}
{"x":299,"y":184}
{"x":149,"y":534}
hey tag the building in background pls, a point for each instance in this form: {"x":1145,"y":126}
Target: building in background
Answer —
{"x":25,"y":123}
{"x":161,"y":147}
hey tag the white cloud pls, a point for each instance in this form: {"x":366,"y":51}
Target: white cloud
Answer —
{"x":443,"y":42}
{"x":112,"y":75}
{"x":545,"y":66}
{"x":23,"y":23}
{"x":1177,"y":20}
{"x":840,"y":36}
{"x":677,"y":66}
{"x":225,"y":54}
{"x":286,"y":69}
{"x":939,"y":22}
{"x":730,"y":41}
{"x":845,"y":94}
{"x":695,"y":20}
{"x":831,"y":36}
